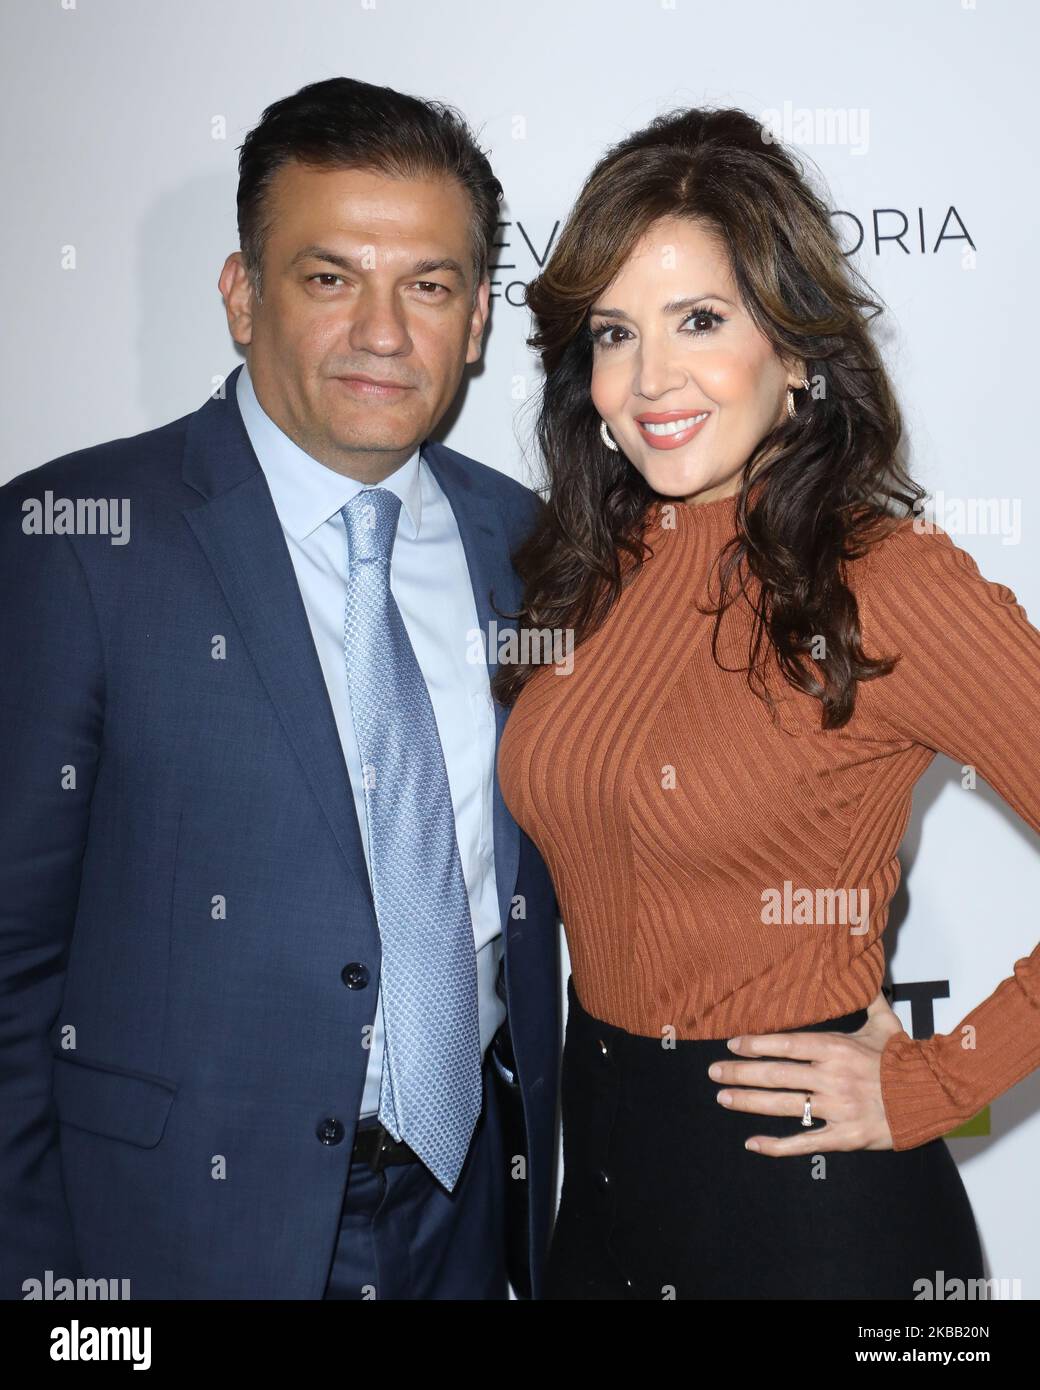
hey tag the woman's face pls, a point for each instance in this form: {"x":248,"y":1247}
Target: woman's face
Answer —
{"x":672,"y":343}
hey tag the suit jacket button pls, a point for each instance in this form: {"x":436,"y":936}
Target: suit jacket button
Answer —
{"x":331,"y":1131}
{"x":604,"y":1049}
{"x":354,"y":975}
{"x":603,"y":1178}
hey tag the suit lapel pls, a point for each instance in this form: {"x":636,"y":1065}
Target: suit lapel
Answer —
{"x":485,"y":540}
{"x":238,"y":529}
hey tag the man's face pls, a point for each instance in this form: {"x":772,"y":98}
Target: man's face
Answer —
{"x":363,"y":276}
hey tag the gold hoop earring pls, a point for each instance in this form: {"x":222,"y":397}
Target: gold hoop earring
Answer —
{"x":804,"y":384}
{"x":604,"y":434}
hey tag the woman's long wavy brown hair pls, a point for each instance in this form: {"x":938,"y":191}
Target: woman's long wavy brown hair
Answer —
{"x":821,"y":484}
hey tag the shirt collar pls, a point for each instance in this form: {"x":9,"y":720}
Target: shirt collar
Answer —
{"x":305,"y":492}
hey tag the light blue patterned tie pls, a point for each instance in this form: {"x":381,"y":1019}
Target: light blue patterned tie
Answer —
{"x":431,"y":1088}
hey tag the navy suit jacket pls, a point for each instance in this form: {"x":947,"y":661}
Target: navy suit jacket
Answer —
{"x":182,"y":883}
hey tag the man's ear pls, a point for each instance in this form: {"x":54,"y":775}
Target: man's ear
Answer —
{"x":236,"y":288}
{"x":478,"y":320}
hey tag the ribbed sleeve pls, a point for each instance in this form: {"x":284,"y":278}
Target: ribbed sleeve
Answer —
{"x":967,"y":686}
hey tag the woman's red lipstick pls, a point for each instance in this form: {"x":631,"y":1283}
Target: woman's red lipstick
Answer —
{"x":671,"y":438}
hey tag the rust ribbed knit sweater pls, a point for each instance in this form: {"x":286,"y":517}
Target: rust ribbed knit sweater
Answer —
{"x":672,"y":809}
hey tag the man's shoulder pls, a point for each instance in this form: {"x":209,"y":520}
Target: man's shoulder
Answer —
{"x":125,"y":466}
{"x":493,"y":481}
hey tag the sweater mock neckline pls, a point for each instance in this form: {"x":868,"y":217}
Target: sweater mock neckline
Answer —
{"x":673,"y":514}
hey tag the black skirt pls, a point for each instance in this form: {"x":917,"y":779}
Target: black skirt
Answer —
{"x":661,"y":1199}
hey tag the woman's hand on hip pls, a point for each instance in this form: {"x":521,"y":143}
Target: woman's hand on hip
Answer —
{"x":840,"y":1073}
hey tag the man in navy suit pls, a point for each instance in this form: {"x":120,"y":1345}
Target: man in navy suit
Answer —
{"x":237,"y":980}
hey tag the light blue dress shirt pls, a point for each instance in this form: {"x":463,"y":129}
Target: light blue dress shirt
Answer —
{"x":430,"y":580}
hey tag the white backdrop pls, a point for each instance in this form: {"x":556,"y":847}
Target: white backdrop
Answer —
{"x":120,"y":124}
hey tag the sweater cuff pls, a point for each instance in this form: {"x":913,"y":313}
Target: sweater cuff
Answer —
{"x":917,"y":1107}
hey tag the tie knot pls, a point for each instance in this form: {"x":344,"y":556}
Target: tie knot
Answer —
{"x":371,"y":520}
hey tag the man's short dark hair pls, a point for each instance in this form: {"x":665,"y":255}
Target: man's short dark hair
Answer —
{"x":345,"y":124}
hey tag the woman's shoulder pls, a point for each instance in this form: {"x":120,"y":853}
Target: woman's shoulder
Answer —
{"x":917,"y":577}
{"x":909,"y":556}
{"x":902,"y":540}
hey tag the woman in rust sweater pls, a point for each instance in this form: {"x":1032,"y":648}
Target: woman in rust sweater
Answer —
{"x":767,"y":654}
